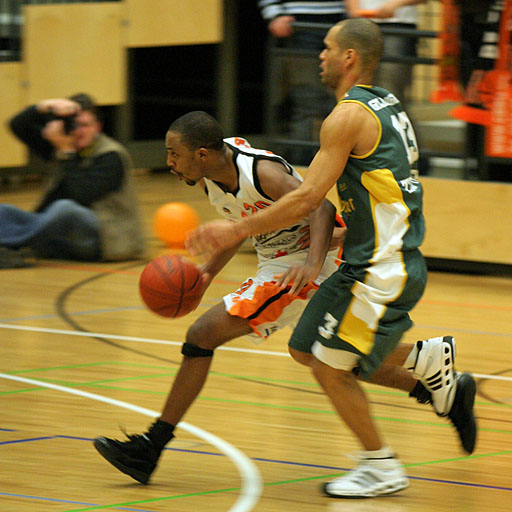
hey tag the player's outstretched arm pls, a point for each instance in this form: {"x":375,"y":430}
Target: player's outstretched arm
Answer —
{"x":217,"y":261}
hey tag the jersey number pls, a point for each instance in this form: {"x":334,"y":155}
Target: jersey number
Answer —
{"x":402,"y":125}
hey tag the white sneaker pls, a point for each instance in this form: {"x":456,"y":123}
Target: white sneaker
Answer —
{"x":371,"y":477}
{"x":435,"y":368}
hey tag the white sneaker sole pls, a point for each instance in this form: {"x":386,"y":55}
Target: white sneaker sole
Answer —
{"x":378,"y":489}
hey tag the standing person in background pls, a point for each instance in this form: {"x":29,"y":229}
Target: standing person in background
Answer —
{"x":89,"y":211}
{"x":402,"y":14}
{"x":396,"y":77}
{"x":308,"y":101}
{"x":354,"y":322}
{"x":480,"y":22}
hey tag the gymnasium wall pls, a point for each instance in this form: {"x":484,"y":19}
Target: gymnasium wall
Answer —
{"x":466,"y":221}
{"x":82,"y":47}
{"x":67,"y":48}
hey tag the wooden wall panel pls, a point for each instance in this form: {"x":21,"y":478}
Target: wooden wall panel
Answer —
{"x":12,"y":152}
{"x":173,"y":22}
{"x":468,"y":220}
{"x":70,"y":48}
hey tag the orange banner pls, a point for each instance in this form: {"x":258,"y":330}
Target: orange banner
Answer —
{"x":449,"y":83}
{"x":498,"y":139}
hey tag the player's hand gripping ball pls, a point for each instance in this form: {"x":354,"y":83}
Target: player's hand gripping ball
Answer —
{"x":171,"y":286}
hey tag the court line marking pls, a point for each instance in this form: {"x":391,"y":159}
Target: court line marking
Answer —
{"x":179,"y":343}
{"x":66,"y":502}
{"x":309,"y":465}
{"x":251,"y":488}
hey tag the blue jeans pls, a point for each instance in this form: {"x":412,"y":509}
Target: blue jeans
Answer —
{"x":65,"y":230}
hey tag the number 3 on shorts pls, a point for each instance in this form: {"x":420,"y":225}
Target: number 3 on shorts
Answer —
{"x":327,"y":330}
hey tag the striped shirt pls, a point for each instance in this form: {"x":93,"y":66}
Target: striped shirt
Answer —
{"x":311,"y":11}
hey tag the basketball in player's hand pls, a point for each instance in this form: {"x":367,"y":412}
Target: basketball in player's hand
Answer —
{"x":171,"y":286}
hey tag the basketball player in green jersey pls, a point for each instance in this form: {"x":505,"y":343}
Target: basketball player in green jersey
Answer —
{"x":355,"y":320}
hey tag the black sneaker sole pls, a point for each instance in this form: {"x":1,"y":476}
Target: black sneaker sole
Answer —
{"x":102,"y":446}
{"x":462,"y":415}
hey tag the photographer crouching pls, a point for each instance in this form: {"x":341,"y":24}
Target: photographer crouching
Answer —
{"x":89,"y":210}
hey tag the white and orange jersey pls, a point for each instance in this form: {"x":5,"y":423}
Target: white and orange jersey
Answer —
{"x":266,"y":306}
{"x":249,"y":198}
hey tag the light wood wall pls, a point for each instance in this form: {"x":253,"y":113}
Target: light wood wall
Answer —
{"x":70,"y":48}
{"x":12,"y":97}
{"x":169,"y":23}
{"x":466,"y":220}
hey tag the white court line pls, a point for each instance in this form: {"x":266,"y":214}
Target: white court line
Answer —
{"x":251,"y":488}
{"x":179,"y":343}
{"x":130,"y":338}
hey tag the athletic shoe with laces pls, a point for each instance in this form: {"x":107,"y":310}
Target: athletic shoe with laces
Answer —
{"x":371,"y":477}
{"x":435,"y":368}
{"x":136,"y":457}
{"x":16,"y":258}
{"x":461,"y":414}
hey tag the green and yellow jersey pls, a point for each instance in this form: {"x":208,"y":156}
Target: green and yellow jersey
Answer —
{"x":380,"y":197}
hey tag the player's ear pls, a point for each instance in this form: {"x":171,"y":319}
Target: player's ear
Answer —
{"x":202,"y":153}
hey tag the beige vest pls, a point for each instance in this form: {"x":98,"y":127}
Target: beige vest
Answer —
{"x":121,"y":234}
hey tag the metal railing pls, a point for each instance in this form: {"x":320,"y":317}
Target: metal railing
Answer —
{"x":278,"y":140}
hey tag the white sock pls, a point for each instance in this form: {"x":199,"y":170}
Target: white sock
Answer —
{"x":384,"y":453}
{"x":410,"y":362}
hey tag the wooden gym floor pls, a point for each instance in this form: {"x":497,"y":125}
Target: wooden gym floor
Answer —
{"x":80,"y":356}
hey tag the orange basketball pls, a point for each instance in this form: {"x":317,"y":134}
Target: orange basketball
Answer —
{"x":172,"y":222}
{"x":171,"y":286}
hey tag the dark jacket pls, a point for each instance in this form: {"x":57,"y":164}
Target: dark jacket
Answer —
{"x":98,"y":177}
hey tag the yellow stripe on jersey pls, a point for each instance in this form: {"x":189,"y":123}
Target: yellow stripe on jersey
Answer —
{"x":359,"y":324}
{"x":384,"y":283}
{"x":389,"y":210}
{"x":377,"y":141}
{"x":385,"y":280}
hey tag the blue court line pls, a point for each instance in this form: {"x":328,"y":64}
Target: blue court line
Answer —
{"x":69,"y":502}
{"x":74,"y":313}
{"x":28,"y":440}
{"x":7,"y":430}
{"x":207,"y":304}
{"x":277,"y":461}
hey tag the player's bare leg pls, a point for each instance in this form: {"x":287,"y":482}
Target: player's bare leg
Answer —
{"x":378,"y":471}
{"x":393,"y":374}
{"x":139,"y":456}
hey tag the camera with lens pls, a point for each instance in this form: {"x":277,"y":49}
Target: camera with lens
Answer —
{"x":69,"y":121}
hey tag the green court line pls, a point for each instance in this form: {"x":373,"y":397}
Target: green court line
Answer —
{"x":153,"y":500}
{"x":67,"y":367}
{"x":247,"y":403}
{"x":243,"y":377}
{"x":281,"y":482}
{"x":456,"y":459}
{"x":220,"y":374}
{"x":172,"y":371}
{"x":104,"y":381}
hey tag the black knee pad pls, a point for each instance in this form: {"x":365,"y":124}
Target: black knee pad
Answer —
{"x":191,"y":350}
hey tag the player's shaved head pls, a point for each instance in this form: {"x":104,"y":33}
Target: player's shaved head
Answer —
{"x":199,"y":129}
{"x":364,"y":36}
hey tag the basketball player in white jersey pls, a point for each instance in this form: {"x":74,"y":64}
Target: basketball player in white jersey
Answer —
{"x":240,"y":181}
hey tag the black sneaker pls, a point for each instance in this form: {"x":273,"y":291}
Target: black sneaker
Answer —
{"x":461,"y":414}
{"x":16,"y":258}
{"x":136,"y":457}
